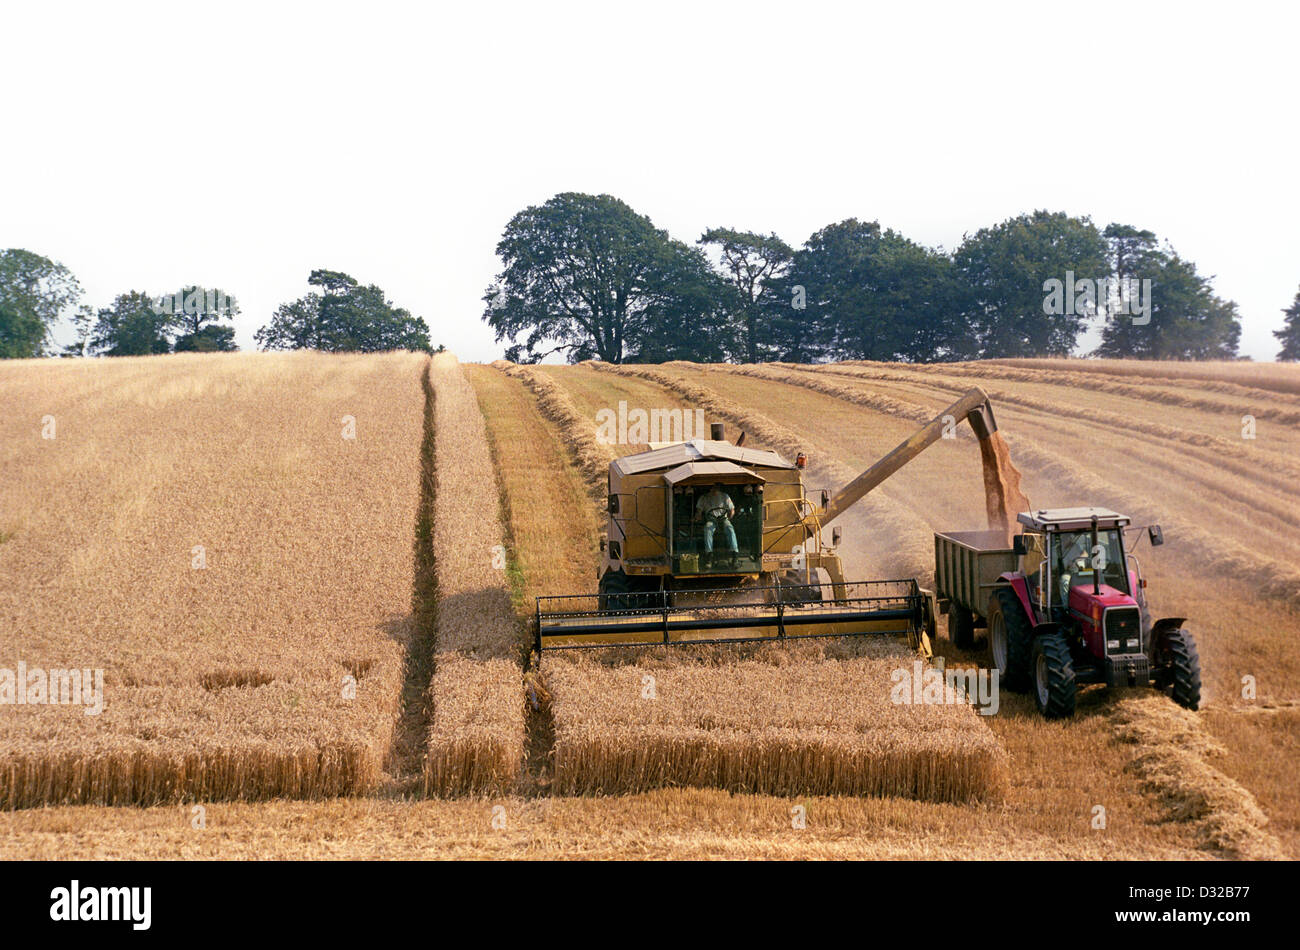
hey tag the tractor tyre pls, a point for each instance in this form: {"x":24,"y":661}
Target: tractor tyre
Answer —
{"x":1010,"y":640}
{"x":1180,"y":669}
{"x":1054,"y":686}
{"x":961,"y":627}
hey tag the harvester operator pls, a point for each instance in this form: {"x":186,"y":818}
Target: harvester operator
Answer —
{"x":715,"y":508}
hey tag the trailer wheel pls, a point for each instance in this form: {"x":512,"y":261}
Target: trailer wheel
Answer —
{"x":1180,"y":669}
{"x":1054,"y":687}
{"x":1010,"y":640}
{"x":961,"y":627}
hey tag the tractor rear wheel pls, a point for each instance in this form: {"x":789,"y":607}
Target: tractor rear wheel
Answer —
{"x":1010,"y":640}
{"x":961,"y":627}
{"x":1054,"y":687}
{"x":1180,"y":668}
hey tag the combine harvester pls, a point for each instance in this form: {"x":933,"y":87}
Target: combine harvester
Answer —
{"x":713,"y":542}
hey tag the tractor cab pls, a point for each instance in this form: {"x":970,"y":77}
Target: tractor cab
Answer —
{"x":1074,"y":562}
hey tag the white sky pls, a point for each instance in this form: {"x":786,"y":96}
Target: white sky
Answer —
{"x":241,"y":145}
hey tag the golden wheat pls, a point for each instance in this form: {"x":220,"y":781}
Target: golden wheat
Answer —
{"x":812,"y":726}
{"x":476,"y":734}
{"x":229,"y":539}
{"x":1277,"y":377}
{"x":579,"y":434}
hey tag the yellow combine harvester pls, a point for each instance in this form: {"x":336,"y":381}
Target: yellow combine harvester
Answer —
{"x":711,"y":541}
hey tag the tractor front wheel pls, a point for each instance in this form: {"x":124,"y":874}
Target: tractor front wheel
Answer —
{"x":1054,"y":687}
{"x":1010,"y":640}
{"x":961,"y":627}
{"x":1179,"y":675}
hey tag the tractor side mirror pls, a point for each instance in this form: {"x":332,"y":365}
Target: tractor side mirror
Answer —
{"x":1019,"y":545}
{"x":837,"y":533}
{"x":1156,"y":535}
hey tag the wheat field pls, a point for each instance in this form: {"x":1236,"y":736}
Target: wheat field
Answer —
{"x":210,"y":699}
{"x":228,"y":539}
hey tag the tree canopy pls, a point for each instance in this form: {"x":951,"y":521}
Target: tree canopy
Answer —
{"x":1289,"y":335}
{"x":586,"y":276}
{"x":341,"y":315}
{"x":34,"y":291}
{"x":1186,"y":320}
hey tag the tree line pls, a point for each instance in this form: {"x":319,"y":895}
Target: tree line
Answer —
{"x":587,"y":277}
{"x":338,"y":314}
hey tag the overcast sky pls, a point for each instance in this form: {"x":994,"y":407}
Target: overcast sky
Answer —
{"x":242,"y":145}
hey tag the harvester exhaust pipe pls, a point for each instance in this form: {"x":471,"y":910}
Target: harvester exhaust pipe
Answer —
{"x":718,"y":432}
{"x":974,"y":407}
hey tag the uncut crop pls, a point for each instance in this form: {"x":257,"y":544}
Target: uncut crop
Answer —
{"x":476,"y":736}
{"x":768,"y":724}
{"x":203,"y":530}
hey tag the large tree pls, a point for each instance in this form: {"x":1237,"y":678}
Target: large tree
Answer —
{"x":857,"y":291}
{"x":1289,"y":335}
{"x":34,"y":291}
{"x":752,"y":266}
{"x":135,"y":325}
{"x":1181,"y":316}
{"x":1004,"y":269}
{"x":199,"y":312}
{"x":586,"y":276}
{"x":341,"y":315}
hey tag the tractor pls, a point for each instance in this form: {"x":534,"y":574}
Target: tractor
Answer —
{"x":1066,"y":606}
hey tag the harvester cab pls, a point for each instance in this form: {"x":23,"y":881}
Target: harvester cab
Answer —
{"x":713,"y":541}
{"x":1075,"y":612}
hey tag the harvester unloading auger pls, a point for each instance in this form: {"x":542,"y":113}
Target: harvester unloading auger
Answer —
{"x":711,"y":541}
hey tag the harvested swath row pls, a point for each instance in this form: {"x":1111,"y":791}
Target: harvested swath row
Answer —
{"x":1263,"y":404}
{"x":908,"y":534}
{"x":1223,"y":456}
{"x":1172,"y":766}
{"x":578,"y":432}
{"x":476,"y":734}
{"x":1276,"y":378}
{"x":231,"y":546}
{"x":1215,"y":552}
{"x":812,"y":726}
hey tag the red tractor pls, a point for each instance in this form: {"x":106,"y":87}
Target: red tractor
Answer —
{"x":1066,"y":605}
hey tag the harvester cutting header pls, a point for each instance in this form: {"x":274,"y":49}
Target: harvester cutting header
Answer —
{"x":710,"y":540}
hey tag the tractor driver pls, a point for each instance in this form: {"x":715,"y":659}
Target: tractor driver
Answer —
{"x":715,"y":508}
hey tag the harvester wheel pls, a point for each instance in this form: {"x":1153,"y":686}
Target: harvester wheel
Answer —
{"x":961,"y":627}
{"x":1054,"y":687}
{"x":1180,"y":672}
{"x":617,"y":592}
{"x":793,"y":590}
{"x":1010,"y":640}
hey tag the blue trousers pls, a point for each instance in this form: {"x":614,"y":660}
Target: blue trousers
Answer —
{"x":728,"y":535}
